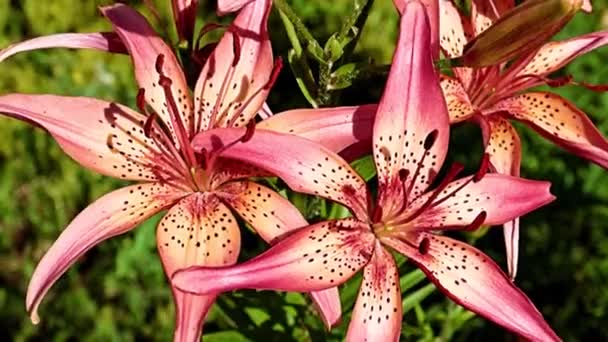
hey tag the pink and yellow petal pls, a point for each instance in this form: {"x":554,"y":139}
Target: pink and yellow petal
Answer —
{"x":377,"y":313}
{"x":502,"y":198}
{"x":231,"y":88}
{"x":197,"y":231}
{"x":560,"y":122}
{"x":485,"y":12}
{"x":411,"y":128}
{"x":473,"y":280}
{"x":144,"y":47}
{"x":103,"y":41}
{"x":459,"y":106}
{"x":303,"y":164}
{"x":504,"y":149}
{"x":229,"y":6}
{"x":554,"y":55}
{"x":113,"y":214}
{"x":313,"y":258}
{"x":102,"y":136}
{"x":272,"y":216}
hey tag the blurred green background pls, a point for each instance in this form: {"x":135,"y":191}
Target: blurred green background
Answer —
{"x":117,"y":292}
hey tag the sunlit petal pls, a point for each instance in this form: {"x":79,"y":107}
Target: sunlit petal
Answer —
{"x":303,"y":164}
{"x":473,"y":280}
{"x":377,"y":312}
{"x":459,"y":105}
{"x":502,"y":198}
{"x":198,"y":231}
{"x":411,"y":129}
{"x":104,"y":41}
{"x":103,"y":136}
{"x":336,"y":128}
{"x":144,"y":47}
{"x":559,"y":121}
{"x":113,"y":214}
{"x":313,"y":258}
{"x":231,"y":88}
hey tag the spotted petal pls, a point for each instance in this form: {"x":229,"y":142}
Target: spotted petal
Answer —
{"x":459,"y":106}
{"x":313,"y":258}
{"x":104,"y":41}
{"x":473,"y":280}
{"x":231,"y":88}
{"x":485,"y":12}
{"x":503,"y":198}
{"x":453,"y":36}
{"x":198,"y":231}
{"x":554,"y":55}
{"x":273,"y":216}
{"x":113,"y":214}
{"x":336,"y":128}
{"x":303,"y":164}
{"x":377,"y":313}
{"x":144,"y":47}
{"x":411,"y":129}
{"x":103,"y":136}
{"x":559,"y":121}
{"x":504,"y":148}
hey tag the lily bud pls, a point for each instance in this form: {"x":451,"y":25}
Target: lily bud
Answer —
{"x":523,"y":29}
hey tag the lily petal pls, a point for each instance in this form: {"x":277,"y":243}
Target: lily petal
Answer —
{"x":377,"y":313}
{"x":587,"y":6}
{"x":486,"y":12}
{"x":113,"y":214}
{"x":453,"y":33}
{"x":504,"y":148}
{"x":102,"y":136}
{"x":554,"y":55}
{"x":269,"y":214}
{"x":104,"y":41}
{"x":411,"y":129}
{"x":473,"y":280}
{"x":560,"y":122}
{"x":229,"y":6}
{"x":272,"y":216}
{"x":432,"y":10}
{"x":231,"y":88}
{"x":144,"y":47}
{"x":335,"y":128}
{"x":197,"y":231}
{"x":184,"y":15}
{"x":459,"y":106}
{"x":226,"y":170}
{"x":303,"y":164}
{"x":313,"y":258}
{"x":502,"y":198}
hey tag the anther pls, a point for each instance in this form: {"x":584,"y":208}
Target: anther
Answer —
{"x":160,"y":61}
{"x":141,"y":100}
{"x":148,"y":124}
{"x":424,"y":246}
{"x":430,"y":139}
{"x":477,"y":222}
{"x":276,"y":69}
{"x":403,"y":174}
{"x":249,"y":132}
{"x":483,"y":168}
{"x":236,"y":47}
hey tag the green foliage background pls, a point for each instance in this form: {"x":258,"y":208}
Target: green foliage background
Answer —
{"x":117,"y":292}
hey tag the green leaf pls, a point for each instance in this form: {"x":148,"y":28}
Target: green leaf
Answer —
{"x":365,"y":167}
{"x":225,"y":336}
{"x":416,"y":297}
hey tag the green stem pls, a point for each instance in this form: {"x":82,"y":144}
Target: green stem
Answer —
{"x":299,"y":26}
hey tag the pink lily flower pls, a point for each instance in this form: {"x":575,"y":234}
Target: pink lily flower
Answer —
{"x":153,"y":148}
{"x":410,"y":138}
{"x":184,"y":16}
{"x":494,"y":95}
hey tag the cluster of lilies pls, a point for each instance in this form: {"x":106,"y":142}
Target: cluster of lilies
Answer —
{"x":192,"y":153}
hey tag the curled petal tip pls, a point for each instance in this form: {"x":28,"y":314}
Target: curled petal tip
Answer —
{"x":34,"y":317}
